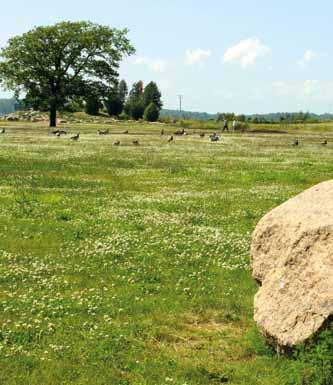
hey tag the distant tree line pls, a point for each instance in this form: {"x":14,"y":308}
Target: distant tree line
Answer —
{"x":279,"y":117}
{"x":7,"y":106}
{"x":191,"y":115}
{"x":10,"y":105}
{"x":289,"y":118}
{"x":269,"y":118}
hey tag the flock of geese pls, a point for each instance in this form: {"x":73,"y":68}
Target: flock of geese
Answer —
{"x":99,"y":132}
{"x":213,"y":137}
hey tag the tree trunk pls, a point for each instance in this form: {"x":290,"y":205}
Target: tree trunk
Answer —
{"x":53,"y":116}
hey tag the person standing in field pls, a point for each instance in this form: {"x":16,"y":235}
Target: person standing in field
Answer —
{"x":234,"y":125}
{"x":225,"y":125}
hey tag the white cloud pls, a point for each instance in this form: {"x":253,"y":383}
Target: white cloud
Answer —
{"x":140,"y":60}
{"x":196,"y":56}
{"x":246,"y":52}
{"x":155,"y":65}
{"x":310,"y":87}
{"x":308,"y":56}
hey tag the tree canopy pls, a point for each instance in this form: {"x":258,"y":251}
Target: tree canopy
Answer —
{"x":116,"y":99}
{"x":135,"y":104}
{"x":152,"y":94}
{"x":140,"y":98}
{"x":52,"y":65}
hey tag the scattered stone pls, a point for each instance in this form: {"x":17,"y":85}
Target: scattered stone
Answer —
{"x":292,"y":259}
{"x":13,"y":118}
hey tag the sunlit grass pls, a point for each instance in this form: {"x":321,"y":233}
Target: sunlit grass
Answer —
{"x":130,"y":264}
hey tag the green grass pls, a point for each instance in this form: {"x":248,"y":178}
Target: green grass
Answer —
{"x":130,"y":264}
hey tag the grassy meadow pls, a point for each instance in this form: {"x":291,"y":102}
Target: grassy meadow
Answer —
{"x":130,"y":265}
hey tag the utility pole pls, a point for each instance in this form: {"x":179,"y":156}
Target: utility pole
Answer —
{"x":180,"y":103}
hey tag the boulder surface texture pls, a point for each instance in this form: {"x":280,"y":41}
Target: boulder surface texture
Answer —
{"x":292,"y":259}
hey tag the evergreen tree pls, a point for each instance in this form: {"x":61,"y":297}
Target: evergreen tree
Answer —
{"x":137,"y":90}
{"x":122,"y":91}
{"x":116,"y":99}
{"x":113,"y":103}
{"x":135,"y":104}
{"x":152,"y":95}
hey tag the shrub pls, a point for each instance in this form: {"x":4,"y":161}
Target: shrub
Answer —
{"x":123,"y":116}
{"x":151,"y":113}
{"x":135,"y":108}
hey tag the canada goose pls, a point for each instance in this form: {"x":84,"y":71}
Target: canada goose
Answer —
{"x":103,"y":132}
{"x":135,"y":142}
{"x":59,"y":132}
{"x":214,"y":137}
{"x":170,"y":139}
{"x":2,"y":130}
{"x":179,"y":133}
{"x":324,"y":143}
{"x":116,"y":143}
{"x":202,"y":135}
{"x":295,"y":143}
{"x":75,"y":137}
{"x":125,"y":132}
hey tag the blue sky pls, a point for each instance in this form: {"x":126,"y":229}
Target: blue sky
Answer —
{"x":238,"y":55}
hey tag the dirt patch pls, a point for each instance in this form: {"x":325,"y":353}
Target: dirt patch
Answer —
{"x":267,"y":132}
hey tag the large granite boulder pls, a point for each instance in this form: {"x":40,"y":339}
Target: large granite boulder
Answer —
{"x":292,"y":259}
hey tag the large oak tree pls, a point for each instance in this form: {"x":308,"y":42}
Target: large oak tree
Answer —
{"x":52,"y":65}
